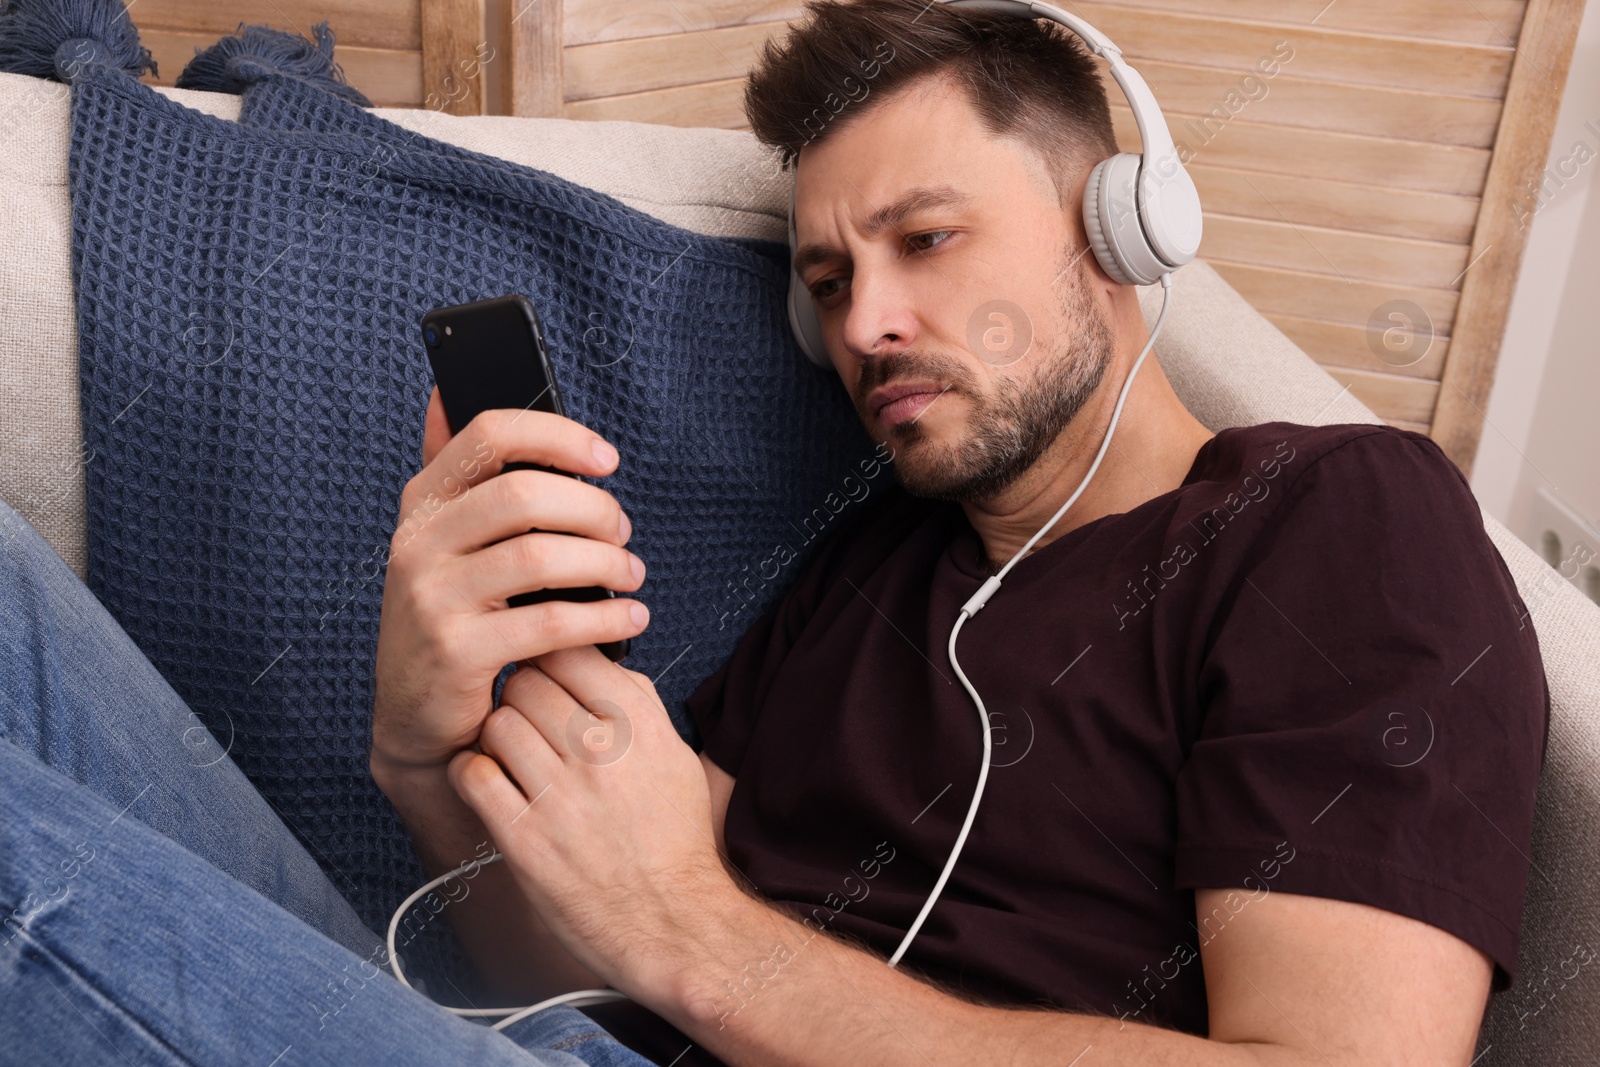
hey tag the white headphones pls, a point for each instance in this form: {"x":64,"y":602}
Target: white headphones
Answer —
{"x":1141,"y":212}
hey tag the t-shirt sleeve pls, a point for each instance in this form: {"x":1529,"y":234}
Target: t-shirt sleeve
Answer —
{"x":1374,"y":707}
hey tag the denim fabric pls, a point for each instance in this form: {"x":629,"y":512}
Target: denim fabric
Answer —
{"x":153,"y":907}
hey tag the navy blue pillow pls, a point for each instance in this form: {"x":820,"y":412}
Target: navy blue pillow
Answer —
{"x":253,"y":391}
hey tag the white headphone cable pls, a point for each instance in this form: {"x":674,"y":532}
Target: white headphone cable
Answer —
{"x":577,"y":998}
{"x":981,"y":597}
{"x":582,"y":997}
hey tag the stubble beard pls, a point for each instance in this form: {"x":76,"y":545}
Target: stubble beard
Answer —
{"x":1010,"y":427}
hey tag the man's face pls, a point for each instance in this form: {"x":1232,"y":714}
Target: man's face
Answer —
{"x":963,"y":323}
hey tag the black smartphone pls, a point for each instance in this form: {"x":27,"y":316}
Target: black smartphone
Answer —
{"x":491,"y":354}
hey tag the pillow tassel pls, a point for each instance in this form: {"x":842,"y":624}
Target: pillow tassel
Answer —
{"x":56,"y":38}
{"x":252,"y":53}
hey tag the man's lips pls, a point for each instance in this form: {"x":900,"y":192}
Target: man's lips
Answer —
{"x":905,"y":400}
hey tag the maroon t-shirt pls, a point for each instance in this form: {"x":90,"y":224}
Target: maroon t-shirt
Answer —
{"x":1305,"y":670}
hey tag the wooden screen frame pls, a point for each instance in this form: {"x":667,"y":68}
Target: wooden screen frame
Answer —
{"x":401,"y":53}
{"x":1521,"y":148}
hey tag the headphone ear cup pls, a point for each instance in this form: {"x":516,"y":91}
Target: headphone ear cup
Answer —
{"x":1091,"y":225}
{"x":1111,"y":218}
{"x":803,"y":320}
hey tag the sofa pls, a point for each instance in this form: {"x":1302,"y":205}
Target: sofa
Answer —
{"x":1228,"y":363}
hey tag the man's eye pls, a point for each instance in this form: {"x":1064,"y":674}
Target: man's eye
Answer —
{"x":931,"y":233}
{"x":820,"y":291}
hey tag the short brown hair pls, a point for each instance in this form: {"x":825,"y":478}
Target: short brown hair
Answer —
{"x":1029,"y":78}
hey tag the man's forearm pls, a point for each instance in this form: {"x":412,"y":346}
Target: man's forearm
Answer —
{"x":502,"y":933}
{"x":759,"y":987}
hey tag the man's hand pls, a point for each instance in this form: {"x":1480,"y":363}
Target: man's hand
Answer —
{"x":446,"y":630}
{"x":603,"y":814}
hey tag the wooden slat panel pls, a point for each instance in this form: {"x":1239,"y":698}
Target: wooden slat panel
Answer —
{"x":531,"y":32}
{"x":1375,"y":112}
{"x":1340,"y":205}
{"x":388,"y":78}
{"x":1390,"y":396}
{"x":453,"y":52}
{"x":1252,"y":145}
{"x":1493,"y":22}
{"x":644,"y":63}
{"x":1273,"y":290}
{"x":683,"y":59}
{"x":1318,"y":52}
{"x":719,"y":103}
{"x":1481,"y":22}
{"x":593,"y":21}
{"x":1344,"y":345}
{"x":1358,"y":59}
{"x":385,"y":24}
{"x":1341,"y":253}
{"x":1463,"y":21}
{"x":1534,"y":97}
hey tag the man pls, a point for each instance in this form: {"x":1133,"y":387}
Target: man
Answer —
{"x":1266,"y":729}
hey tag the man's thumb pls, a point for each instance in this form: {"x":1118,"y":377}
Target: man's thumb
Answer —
{"x":436,"y":430}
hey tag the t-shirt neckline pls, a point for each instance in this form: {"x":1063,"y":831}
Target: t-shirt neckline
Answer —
{"x":965,"y":547}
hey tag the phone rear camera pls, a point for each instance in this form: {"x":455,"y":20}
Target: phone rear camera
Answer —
{"x":430,"y":334}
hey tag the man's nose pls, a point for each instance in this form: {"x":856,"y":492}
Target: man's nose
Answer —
{"x":882,"y":316}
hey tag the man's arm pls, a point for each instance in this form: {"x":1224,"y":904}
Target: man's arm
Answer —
{"x":1293,"y":980}
{"x":620,"y":859}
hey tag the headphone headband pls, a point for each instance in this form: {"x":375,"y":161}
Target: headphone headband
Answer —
{"x":1141,"y":211}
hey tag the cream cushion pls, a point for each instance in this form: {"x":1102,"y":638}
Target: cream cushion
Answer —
{"x":1228,"y":363}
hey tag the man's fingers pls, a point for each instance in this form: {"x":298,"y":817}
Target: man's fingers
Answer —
{"x":482,"y":784}
{"x":529,"y":688}
{"x":597,"y":683}
{"x":598,"y":734}
{"x":646,"y":685}
{"x":518,"y":746}
{"x":555,"y":711}
{"x":531,"y":630}
{"x":542,"y":561}
{"x":488,"y":640}
{"x":483,"y":448}
{"x":512,"y":435}
{"x":519,"y":501}
{"x":435,"y":428}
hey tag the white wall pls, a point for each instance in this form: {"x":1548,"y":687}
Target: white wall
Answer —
{"x":1543,"y":420}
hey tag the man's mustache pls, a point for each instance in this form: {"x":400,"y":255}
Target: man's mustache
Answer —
{"x":902,"y":365}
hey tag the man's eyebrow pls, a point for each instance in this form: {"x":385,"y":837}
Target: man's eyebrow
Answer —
{"x":922,"y":198}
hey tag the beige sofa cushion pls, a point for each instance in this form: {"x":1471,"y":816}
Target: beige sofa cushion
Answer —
{"x":1230,"y":366}
{"x":711,"y":181}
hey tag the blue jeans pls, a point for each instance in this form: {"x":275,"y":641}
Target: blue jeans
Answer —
{"x":153,"y":908}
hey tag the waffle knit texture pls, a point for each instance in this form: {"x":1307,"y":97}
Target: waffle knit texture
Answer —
{"x":253,"y":389}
